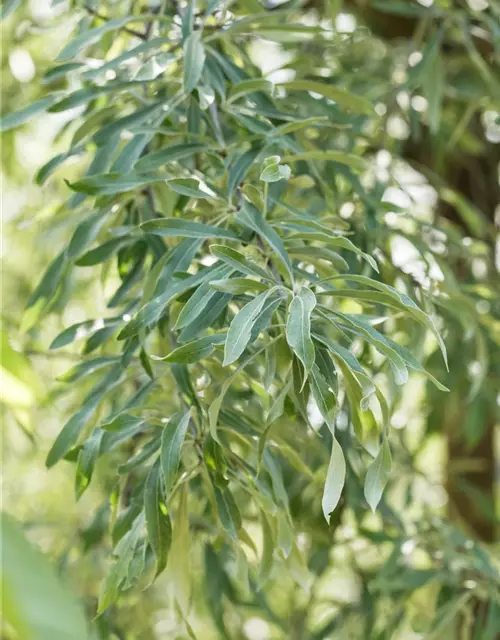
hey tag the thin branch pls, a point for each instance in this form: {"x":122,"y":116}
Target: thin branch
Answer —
{"x":132,"y":32}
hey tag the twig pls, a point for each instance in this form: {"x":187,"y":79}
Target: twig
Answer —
{"x":132,"y":32}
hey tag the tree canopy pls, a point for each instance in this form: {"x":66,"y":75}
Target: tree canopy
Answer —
{"x":271,"y":250}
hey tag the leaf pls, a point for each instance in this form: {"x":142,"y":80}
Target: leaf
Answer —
{"x":171,"y":443}
{"x":239,"y":169}
{"x":275,"y":173}
{"x":44,"y":173}
{"x":151,"y":312}
{"x":123,"y":421}
{"x":87,"y":367}
{"x":240,"y":330}
{"x":377,"y":475}
{"x":179,"y":558}
{"x":36,"y":603}
{"x":87,"y":458}
{"x":238,"y":261}
{"x":349,"y":159}
{"x":228,"y":512}
{"x":81,"y":330}
{"x":189,"y":187}
{"x":324,"y":397}
{"x":249,"y":86}
{"x":194,"y":59}
{"x":125,"y":123}
{"x":378,"y":340}
{"x":194,"y":351}
{"x":91,"y":36}
{"x":153,"y":67}
{"x":291,"y":127}
{"x":237,"y":285}
{"x":8,"y":7}
{"x":335,"y":479}
{"x":85,"y":233}
{"x":251,"y":218}
{"x":270,"y":366}
{"x":298,"y":328}
{"x":50,"y":280}
{"x":266,"y":561}
{"x":174,"y":153}
{"x":205,"y":320}
{"x":109,"y":184}
{"x":17,"y":118}
{"x":349,"y":101}
{"x":177,"y":228}
{"x":103,"y":252}
{"x":71,"y":431}
{"x":114,"y":63}
{"x":401,"y":300}
{"x":56,"y":73}
{"x":158,"y":524}
{"x":119,"y":572}
{"x":198,"y":303}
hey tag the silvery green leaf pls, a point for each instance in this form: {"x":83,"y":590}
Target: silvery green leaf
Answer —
{"x":240,"y":330}
{"x":377,"y":475}
{"x":298,"y":328}
{"x":335,"y":479}
{"x":194,"y":59}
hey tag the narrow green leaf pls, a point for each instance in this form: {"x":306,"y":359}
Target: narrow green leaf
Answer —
{"x":266,"y":561}
{"x":36,"y":602}
{"x":377,"y":475}
{"x":91,"y":36}
{"x":240,"y":168}
{"x":237,"y":285}
{"x":103,"y":252}
{"x":8,"y":7}
{"x":109,"y":184}
{"x":87,"y":458}
{"x":238,"y":261}
{"x":292,"y":127}
{"x":171,"y":443}
{"x":228,"y":512}
{"x":194,"y":351}
{"x":85,"y":233}
{"x":298,"y":328}
{"x":249,"y":86}
{"x":349,"y":101}
{"x":174,"y":153}
{"x":116,"y":62}
{"x":123,"y":421}
{"x":198,"y":303}
{"x":179,"y":558}
{"x":158,"y":524}
{"x":119,"y":572}
{"x":251,"y":218}
{"x":71,"y":431}
{"x":17,"y":118}
{"x":189,"y":187}
{"x":402,"y":301}
{"x":87,"y":367}
{"x":240,"y":330}
{"x":44,"y":173}
{"x":125,"y":123}
{"x":194,"y":59}
{"x":177,"y":228}
{"x":324,"y":397}
{"x":335,"y":479}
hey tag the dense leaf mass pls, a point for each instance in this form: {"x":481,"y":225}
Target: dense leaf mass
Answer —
{"x":261,"y":323}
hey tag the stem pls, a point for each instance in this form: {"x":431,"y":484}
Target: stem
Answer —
{"x":266,"y":189}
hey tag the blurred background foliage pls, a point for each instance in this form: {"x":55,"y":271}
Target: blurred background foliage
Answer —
{"x":426,"y":564}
